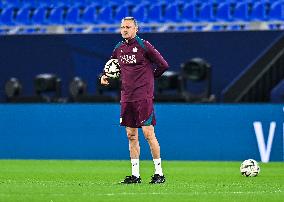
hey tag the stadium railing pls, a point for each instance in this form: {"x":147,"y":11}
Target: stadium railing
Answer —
{"x":87,"y":16}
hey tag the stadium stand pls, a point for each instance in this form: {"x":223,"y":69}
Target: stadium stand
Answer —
{"x":97,"y":16}
{"x":261,"y":82}
{"x":51,"y":16}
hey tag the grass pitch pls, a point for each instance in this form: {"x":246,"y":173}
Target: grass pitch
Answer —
{"x":56,"y":180}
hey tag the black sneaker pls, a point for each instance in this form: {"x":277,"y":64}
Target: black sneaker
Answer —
{"x":157,"y":179}
{"x":131,"y":180}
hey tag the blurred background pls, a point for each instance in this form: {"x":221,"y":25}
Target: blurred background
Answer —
{"x":225,"y":83}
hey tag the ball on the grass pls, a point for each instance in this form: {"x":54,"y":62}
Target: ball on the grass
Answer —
{"x":250,"y":168}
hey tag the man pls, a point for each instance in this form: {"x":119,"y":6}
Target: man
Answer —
{"x":140,"y":63}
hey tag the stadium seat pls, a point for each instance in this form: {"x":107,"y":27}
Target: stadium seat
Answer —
{"x":277,"y":10}
{"x":206,"y":12}
{"x":57,"y":15}
{"x":40,"y":15}
{"x":73,"y":15}
{"x":121,"y":12}
{"x":7,"y":15}
{"x":241,"y":11}
{"x":259,"y":11}
{"x":139,"y":12}
{"x":155,"y":13}
{"x":172,"y":13}
{"x":24,"y":15}
{"x":89,"y":14}
{"x":105,"y":15}
{"x":223,"y":12}
{"x":189,"y":13}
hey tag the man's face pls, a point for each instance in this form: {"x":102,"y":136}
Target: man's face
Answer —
{"x":128,"y":29}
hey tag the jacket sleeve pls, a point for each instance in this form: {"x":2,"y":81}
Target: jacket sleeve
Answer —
{"x":157,"y":59}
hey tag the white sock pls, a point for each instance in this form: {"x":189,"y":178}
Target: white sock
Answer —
{"x":158,"y":166}
{"x":135,"y":167}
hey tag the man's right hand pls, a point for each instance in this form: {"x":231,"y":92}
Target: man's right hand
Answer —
{"x":104,"y":80}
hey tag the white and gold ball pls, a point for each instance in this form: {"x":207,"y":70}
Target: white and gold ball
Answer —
{"x":112,"y":69}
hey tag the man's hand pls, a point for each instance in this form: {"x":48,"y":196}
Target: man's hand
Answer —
{"x":104,"y":80}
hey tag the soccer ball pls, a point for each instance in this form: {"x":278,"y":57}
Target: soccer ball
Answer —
{"x":112,"y":69}
{"x":250,"y":168}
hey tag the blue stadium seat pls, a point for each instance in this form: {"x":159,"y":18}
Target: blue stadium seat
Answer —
{"x":40,"y":15}
{"x":73,"y":15}
{"x":172,"y":13}
{"x":277,"y":10}
{"x":24,"y":15}
{"x":259,"y":11}
{"x":155,"y":13}
{"x":89,"y":15}
{"x":7,"y":15}
{"x":189,"y":13}
{"x":206,"y":12}
{"x":105,"y":15}
{"x":56,"y":16}
{"x":121,"y":12}
{"x":223,"y":11}
{"x":139,"y":12}
{"x":241,"y":11}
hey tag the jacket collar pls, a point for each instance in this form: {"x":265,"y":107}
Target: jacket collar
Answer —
{"x":131,"y":41}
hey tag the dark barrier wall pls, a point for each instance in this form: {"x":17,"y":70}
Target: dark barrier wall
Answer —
{"x":24,"y":56}
{"x":185,"y":132}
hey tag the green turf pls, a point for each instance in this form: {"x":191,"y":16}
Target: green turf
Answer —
{"x":55,"y":181}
